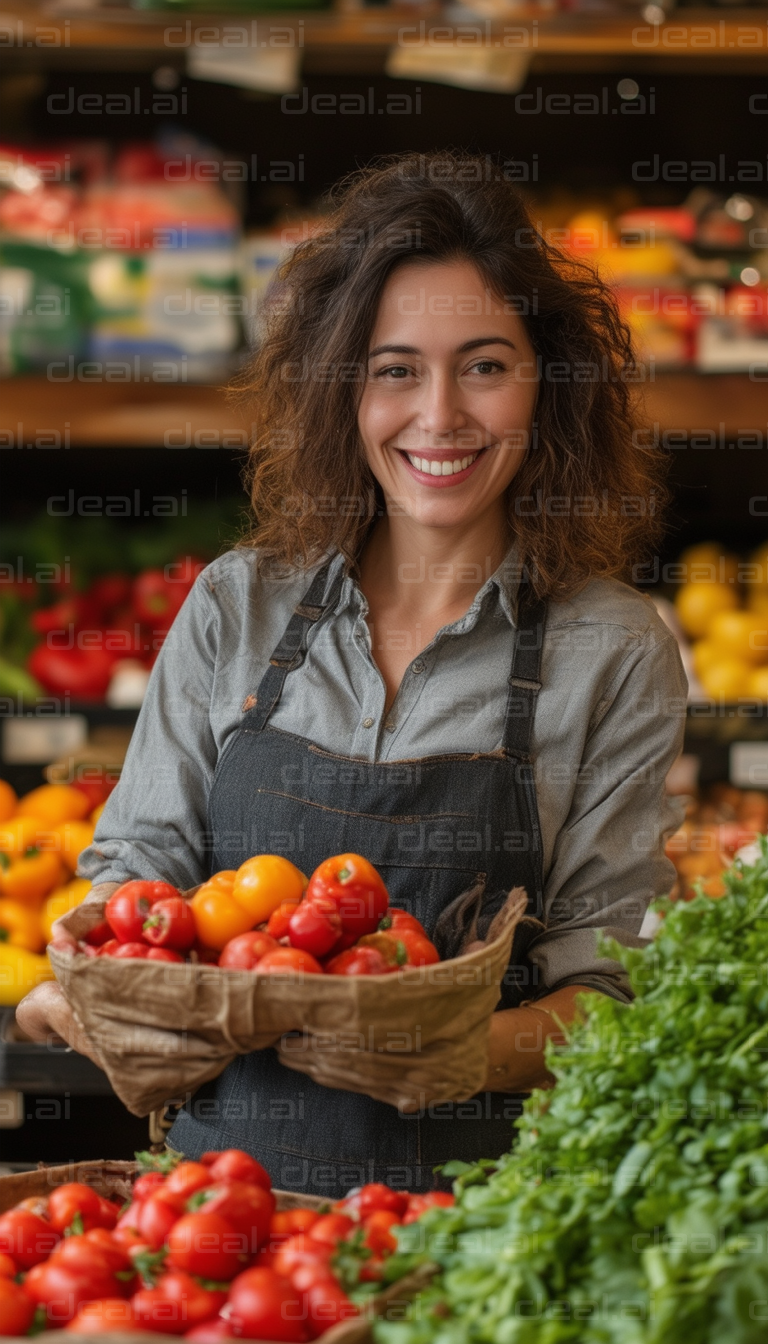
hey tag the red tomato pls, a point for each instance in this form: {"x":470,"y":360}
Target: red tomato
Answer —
{"x":108,"y":949}
{"x":289,"y":961}
{"x":171,"y":923}
{"x":177,"y":1303}
{"x":359,"y":961}
{"x":62,"y":1290}
{"x":211,"y":1331}
{"x":356,"y":888}
{"x":163,"y":954}
{"x":70,"y":1199}
{"x":374,"y":1196}
{"x":246,"y":1207}
{"x":262,"y":1305}
{"x":378,"y":1237}
{"x":277,"y":924}
{"x":315,"y":926}
{"x":129,"y":906}
{"x":98,"y":935}
{"x":301,"y":1250}
{"x":188,"y":1177}
{"x":433,"y":1199}
{"x":289,"y":1222}
{"x":157,"y":1215}
{"x":147,"y":1185}
{"x":372,"y":1270}
{"x":95,"y":1252}
{"x":27,"y":1237}
{"x":207,"y":1245}
{"x":8,"y":1267}
{"x":16,"y":1308}
{"x":419,"y":950}
{"x":105,"y":1316}
{"x":332,"y":1227}
{"x":108,"y":1213}
{"x":234,"y":1165}
{"x":326,"y":1304}
{"x":130,"y":951}
{"x":131,"y":1240}
{"x":245,"y":951}
{"x":401,"y":919}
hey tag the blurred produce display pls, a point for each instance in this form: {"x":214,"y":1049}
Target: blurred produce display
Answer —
{"x":41,"y":837}
{"x":85,"y":607}
{"x":126,"y":259}
{"x":719,"y":823}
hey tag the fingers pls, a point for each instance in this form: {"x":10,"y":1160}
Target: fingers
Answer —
{"x":45,"y":1016}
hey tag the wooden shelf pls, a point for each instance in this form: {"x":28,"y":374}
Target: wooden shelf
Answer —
{"x":35,"y":413}
{"x":695,"y":35}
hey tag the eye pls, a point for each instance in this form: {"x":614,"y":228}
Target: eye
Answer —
{"x":487,"y":366}
{"x":395,"y":372}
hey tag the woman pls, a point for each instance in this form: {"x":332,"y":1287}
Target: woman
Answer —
{"x":422,"y":653}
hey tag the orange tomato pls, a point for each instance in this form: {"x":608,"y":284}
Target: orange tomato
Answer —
{"x":264,"y":882}
{"x":20,"y":927}
{"x":54,"y":803}
{"x":29,"y":877}
{"x":67,"y":840}
{"x":217,"y":916}
{"x":18,"y":834}
{"x":8,"y":800}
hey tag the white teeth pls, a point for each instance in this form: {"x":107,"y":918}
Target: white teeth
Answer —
{"x":434,"y":467}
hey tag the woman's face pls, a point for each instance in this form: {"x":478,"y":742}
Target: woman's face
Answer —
{"x":447,"y":405}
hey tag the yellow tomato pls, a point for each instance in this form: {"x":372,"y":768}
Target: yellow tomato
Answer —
{"x":96,"y":813}
{"x":67,"y":840}
{"x":20,"y":971}
{"x":266,"y":880}
{"x":738,"y":635}
{"x":217,"y":916}
{"x":53,"y":803}
{"x":20,"y":926}
{"x":708,"y":563}
{"x":697,"y":603}
{"x":726,"y":680}
{"x":30,"y":877}
{"x":705,"y":653}
{"x":8,"y":800}
{"x":757,"y":684}
{"x":61,"y":901}
{"x":19,"y":834}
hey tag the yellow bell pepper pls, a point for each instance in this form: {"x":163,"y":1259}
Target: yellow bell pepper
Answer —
{"x":20,"y":971}
{"x":30,"y":877}
{"x":20,"y":926}
{"x":61,"y":901}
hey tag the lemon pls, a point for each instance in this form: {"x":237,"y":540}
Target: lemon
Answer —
{"x":739,"y":635}
{"x":726,"y":680}
{"x":757,"y":684}
{"x":697,"y":603}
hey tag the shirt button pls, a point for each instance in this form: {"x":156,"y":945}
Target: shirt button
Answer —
{"x":390,"y":727}
{"x":418,"y":666}
{"x":367,"y":723}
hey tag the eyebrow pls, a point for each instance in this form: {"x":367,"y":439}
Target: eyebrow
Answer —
{"x":462,"y":349}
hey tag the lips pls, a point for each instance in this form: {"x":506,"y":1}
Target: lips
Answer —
{"x":444,"y":468}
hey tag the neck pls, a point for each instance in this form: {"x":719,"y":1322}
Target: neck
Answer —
{"x":433,"y":568}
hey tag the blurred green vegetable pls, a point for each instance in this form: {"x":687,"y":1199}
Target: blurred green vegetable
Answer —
{"x":634,"y":1207}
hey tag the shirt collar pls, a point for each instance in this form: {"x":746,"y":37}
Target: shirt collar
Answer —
{"x":505,"y":581}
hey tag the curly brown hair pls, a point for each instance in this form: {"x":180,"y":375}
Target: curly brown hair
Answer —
{"x":586,"y":501}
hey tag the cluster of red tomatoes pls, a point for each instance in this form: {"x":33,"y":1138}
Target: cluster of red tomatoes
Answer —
{"x":200,"y":1251}
{"x":268,"y":916}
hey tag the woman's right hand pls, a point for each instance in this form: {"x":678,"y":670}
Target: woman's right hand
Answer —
{"x":44,"y":1015}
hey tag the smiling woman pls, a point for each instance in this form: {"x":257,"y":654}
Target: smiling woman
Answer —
{"x":421,"y":654}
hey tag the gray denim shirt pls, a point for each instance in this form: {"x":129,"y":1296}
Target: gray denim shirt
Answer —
{"x":609,"y":723}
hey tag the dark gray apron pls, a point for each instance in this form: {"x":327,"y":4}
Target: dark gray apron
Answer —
{"x":432,"y":825}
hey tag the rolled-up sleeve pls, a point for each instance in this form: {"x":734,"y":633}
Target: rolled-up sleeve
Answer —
{"x":608,"y":861}
{"x":154,"y":823}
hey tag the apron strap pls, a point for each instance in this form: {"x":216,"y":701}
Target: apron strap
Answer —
{"x":524,"y":683}
{"x":291,"y":648}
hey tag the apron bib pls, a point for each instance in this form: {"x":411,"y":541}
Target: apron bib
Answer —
{"x":432,"y":826}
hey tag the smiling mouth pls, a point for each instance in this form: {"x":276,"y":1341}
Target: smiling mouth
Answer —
{"x":442,"y":466}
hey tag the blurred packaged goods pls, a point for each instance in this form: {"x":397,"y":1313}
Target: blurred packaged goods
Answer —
{"x":127,"y":262}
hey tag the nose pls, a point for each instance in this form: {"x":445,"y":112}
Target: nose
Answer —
{"x":440,"y":410}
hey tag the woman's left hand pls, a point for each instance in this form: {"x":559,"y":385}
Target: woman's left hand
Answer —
{"x":518,"y":1037}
